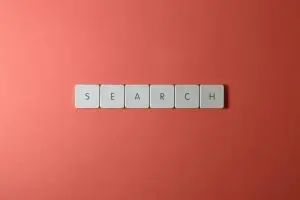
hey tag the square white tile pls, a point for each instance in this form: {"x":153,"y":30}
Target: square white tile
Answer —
{"x":211,"y":96}
{"x":86,"y":96}
{"x":112,"y":96}
{"x":186,"y":96}
{"x":162,"y":96}
{"x":137,"y":96}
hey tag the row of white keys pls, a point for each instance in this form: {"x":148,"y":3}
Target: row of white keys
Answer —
{"x":149,"y":96}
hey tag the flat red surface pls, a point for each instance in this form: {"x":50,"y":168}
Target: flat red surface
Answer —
{"x":51,"y":151}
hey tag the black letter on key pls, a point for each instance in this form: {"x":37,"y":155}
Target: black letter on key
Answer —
{"x":185,"y":96}
{"x":87,"y":96}
{"x":137,"y":96}
{"x":212,"y":96}
{"x":162,"y":96}
{"x":112,"y":96}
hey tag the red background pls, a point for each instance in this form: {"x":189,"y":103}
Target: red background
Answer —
{"x":50,"y":151}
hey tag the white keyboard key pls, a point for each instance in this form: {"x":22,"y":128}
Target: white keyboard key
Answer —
{"x":161,"y":96}
{"x":112,"y":96}
{"x":186,"y":96}
{"x":211,"y":96}
{"x":137,"y":96}
{"x":87,"y":96}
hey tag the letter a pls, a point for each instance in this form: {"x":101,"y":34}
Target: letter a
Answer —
{"x":137,"y":96}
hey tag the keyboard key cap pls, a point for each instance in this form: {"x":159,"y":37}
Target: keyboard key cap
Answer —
{"x":137,"y":96}
{"x":112,"y":96}
{"x":161,"y":96}
{"x":86,"y":96}
{"x":211,"y":96}
{"x":186,"y":96}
